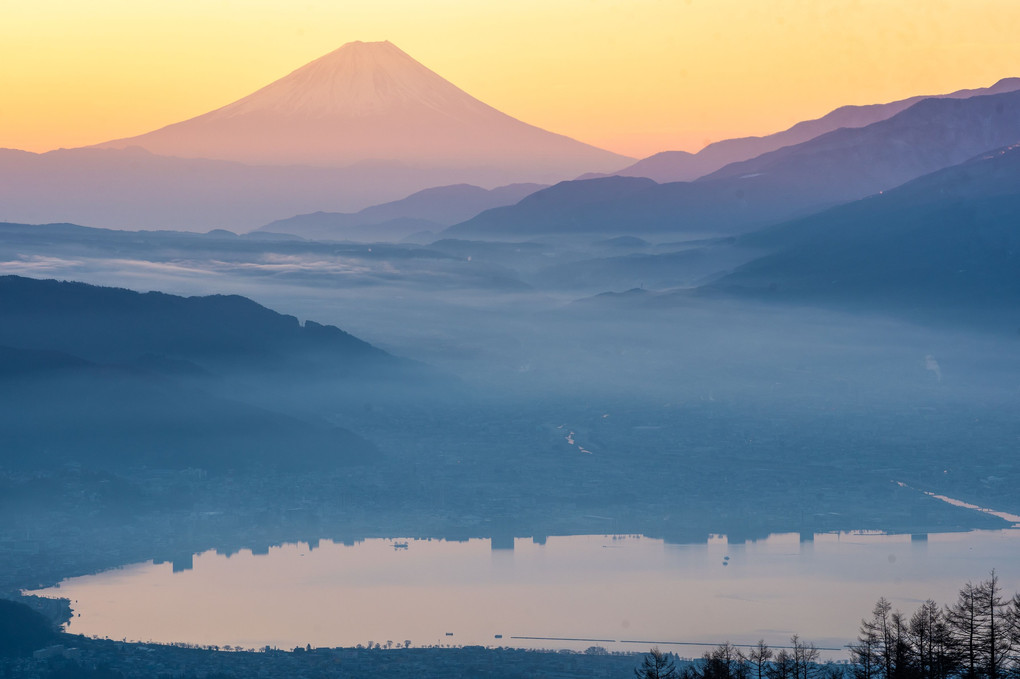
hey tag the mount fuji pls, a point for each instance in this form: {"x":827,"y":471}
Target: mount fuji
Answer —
{"x":371,"y":103}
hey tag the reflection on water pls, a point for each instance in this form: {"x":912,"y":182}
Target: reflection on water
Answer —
{"x":620,"y":592}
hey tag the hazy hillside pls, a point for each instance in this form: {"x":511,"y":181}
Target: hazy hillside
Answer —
{"x":950,"y":239}
{"x":566,"y":207}
{"x":109,"y":377}
{"x":431,"y":209}
{"x":57,"y":409}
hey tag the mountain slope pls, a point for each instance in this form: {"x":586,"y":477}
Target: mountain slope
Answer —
{"x":370,"y":102}
{"x":218,"y":332}
{"x":108,"y":378}
{"x":676,"y":166}
{"x":834,"y":168}
{"x":564,"y":208}
{"x":431,"y":209}
{"x":948,"y":240}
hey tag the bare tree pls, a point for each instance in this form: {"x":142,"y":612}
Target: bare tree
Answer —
{"x":965,"y":623}
{"x":868,"y":654}
{"x":995,"y":644}
{"x":981,"y":626}
{"x":946,"y":652}
{"x":1014,"y":631}
{"x":782,"y":666}
{"x":723,"y":662}
{"x":759,"y":657}
{"x":920,"y":633}
{"x":657,"y":665}
{"x":903,"y":661}
{"x":805,"y":658}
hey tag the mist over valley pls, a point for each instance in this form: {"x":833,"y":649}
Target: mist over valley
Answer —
{"x":310,"y":357}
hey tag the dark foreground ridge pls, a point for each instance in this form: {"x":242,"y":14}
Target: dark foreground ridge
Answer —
{"x":111,"y":379}
{"x":115,"y":324}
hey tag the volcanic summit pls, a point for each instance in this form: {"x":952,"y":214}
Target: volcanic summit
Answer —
{"x":371,"y":102}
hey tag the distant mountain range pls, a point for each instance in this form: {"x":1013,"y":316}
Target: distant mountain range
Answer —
{"x":837,"y":167}
{"x":369,"y":102}
{"x":430,"y":210}
{"x":681,"y":166}
{"x":367,"y":126}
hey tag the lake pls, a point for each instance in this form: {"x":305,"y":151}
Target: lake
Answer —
{"x":619,"y":592}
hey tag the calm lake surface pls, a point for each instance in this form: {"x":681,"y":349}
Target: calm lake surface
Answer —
{"x":620,"y":592}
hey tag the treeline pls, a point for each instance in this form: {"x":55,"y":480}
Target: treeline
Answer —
{"x":976,"y":637}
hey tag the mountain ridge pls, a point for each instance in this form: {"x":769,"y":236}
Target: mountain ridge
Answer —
{"x":672,"y":166}
{"x":113,"y":324}
{"x":840,"y":166}
{"x":429,"y":209}
{"x":947,"y":240}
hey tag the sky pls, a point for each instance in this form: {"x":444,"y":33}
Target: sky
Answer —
{"x":631,"y":76}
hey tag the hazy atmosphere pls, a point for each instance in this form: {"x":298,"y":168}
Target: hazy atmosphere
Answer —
{"x":572,"y":339}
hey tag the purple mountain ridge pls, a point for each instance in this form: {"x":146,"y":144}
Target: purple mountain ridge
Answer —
{"x":840,"y":166}
{"x":676,"y":166}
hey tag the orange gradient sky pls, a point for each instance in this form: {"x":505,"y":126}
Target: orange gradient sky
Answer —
{"x":632,"y":76}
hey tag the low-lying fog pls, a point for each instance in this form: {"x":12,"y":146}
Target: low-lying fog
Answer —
{"x":556,"y":411}
{"x":724,"y":407}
